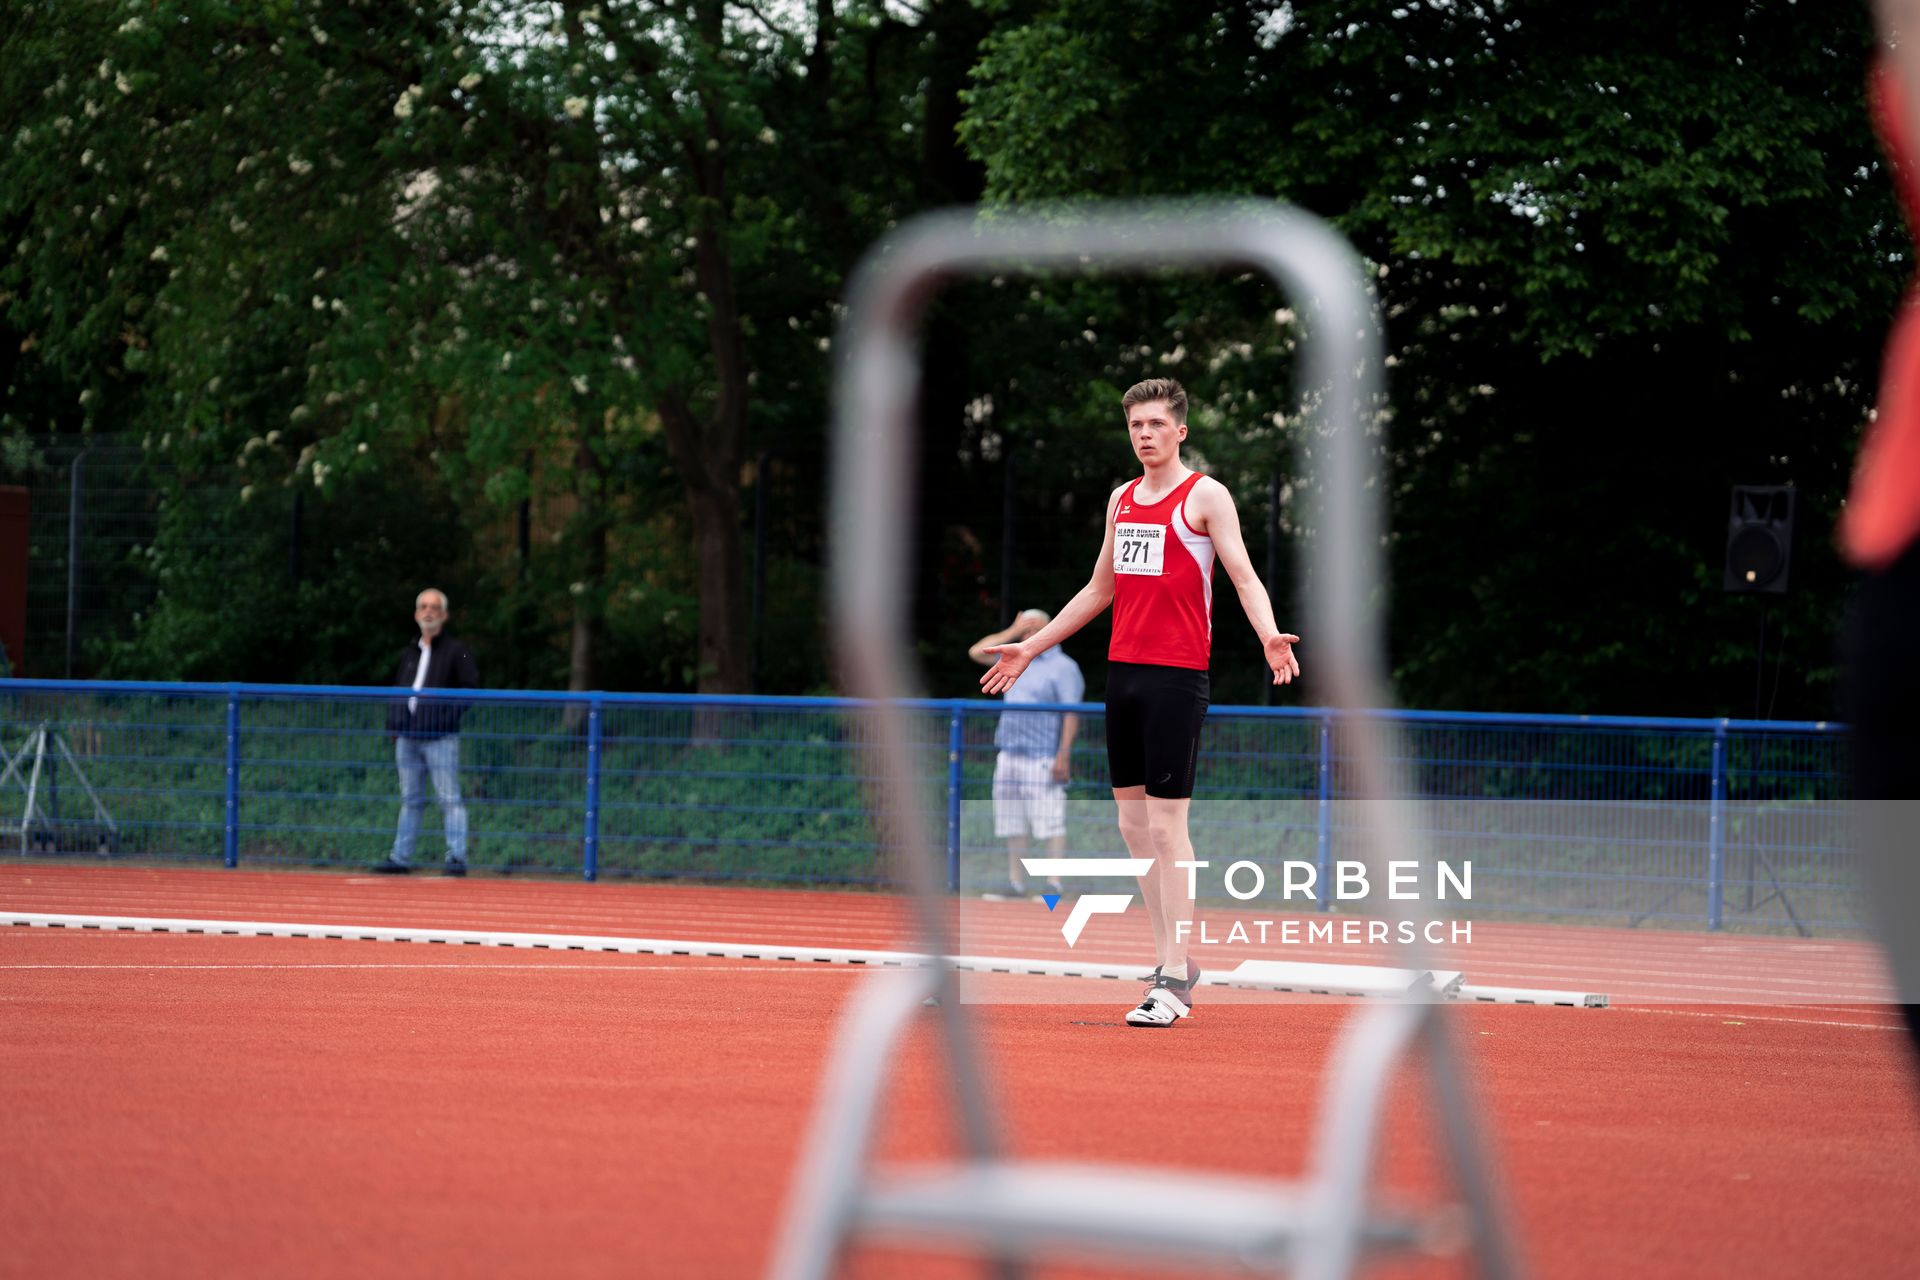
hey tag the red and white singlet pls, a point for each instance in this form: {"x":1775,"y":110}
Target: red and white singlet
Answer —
{"x":1162,"y":583}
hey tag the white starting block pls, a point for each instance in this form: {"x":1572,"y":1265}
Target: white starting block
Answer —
{"x":1339,"y":979}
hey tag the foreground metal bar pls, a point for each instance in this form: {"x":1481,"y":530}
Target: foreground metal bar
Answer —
{"x":1000,"y":1209}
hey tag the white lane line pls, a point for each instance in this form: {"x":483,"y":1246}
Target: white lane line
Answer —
{"x":1702,"y":986}
{"x":477,"y":964}
{"x":1513,"y":952}
{"x":1731,"y":1016}
{"x":1296,"y":977}
{"x":480,"y":964}
{"x":1644,"y":989}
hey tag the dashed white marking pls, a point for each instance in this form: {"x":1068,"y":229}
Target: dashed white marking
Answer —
{"x":477,"y":966}
{"x":1733,"y":1016}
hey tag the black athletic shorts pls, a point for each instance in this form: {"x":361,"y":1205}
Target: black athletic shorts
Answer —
{"x":1880,"y":684}
{"x":1153,"y":726}
{"x":1880,"y":698}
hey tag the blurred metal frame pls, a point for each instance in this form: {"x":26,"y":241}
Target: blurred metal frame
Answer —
{"x":1004,"y":1210}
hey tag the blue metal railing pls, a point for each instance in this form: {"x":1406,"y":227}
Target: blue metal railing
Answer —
{"x":1721,"y":823}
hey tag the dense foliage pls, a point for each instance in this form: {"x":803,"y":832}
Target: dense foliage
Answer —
{"x":534,"y":300}
{"x":1629,"y":256}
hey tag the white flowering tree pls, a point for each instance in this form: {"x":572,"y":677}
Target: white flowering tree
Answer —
{"x":531,"y":253}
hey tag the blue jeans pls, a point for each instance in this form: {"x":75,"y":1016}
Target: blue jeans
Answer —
{"x":419,"y":759}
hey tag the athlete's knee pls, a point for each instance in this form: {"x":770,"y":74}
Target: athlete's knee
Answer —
{"x":1168,"y":833}
{"x":1134,"y":827}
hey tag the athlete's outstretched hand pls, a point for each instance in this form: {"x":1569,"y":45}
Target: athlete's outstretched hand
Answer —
{"x":1009,"y":661}
{"x":1280,"y":658}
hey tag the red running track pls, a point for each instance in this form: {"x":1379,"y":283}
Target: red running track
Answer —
{"x":1631,"y":965}
{"x":259,"y":1105}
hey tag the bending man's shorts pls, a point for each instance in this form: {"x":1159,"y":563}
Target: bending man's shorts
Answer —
{"x":1026,"y":799}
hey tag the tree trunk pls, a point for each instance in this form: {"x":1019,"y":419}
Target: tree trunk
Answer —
{"x":722,"y":646}
{"x":709,"y":450}
{"x":589,"y":595}
{"x":707,"y":456}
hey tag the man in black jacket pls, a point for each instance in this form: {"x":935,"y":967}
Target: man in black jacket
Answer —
{"x":426,"y":734}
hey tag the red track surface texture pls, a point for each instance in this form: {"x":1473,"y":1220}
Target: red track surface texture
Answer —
{"x":226,"y":1106}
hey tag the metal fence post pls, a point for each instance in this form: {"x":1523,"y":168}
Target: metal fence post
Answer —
{"x":1717,"y":830}
{"x":955,"y":743}
{"x":590,"y":861}
{"x":232,"y":842}
{"x":73,"y":554}
{"x":1323,"y":852}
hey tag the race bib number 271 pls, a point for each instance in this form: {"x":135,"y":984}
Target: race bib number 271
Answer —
{"x":1140,"y":548}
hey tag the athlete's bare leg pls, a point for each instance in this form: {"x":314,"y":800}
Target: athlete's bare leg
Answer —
{"x":1156,"y":827}
{"x":1167,"y":820}
{"x":1017,"y":848}
{"x":1137,"y":833}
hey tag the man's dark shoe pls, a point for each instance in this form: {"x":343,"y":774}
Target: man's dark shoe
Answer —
{"x":391,"y":868}
{"x":455,"y":869}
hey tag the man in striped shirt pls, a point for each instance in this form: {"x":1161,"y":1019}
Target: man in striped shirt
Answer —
{"x":1034,"y":764}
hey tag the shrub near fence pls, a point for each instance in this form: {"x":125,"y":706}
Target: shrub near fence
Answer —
{"x":1695,"y":822}
{"x":1648,"y":819}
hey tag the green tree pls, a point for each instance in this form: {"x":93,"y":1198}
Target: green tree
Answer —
{"x":533,"y":255}
{"x":1627,"y":255}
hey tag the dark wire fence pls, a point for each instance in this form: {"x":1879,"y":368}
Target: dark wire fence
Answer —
{"x":95,"y":513}
{"x":1708,"y":823}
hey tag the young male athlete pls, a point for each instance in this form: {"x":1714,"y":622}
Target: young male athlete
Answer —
{"x":1164,"y":532}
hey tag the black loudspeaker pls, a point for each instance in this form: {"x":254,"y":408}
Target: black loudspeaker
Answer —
{"x":1759,"y":539}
